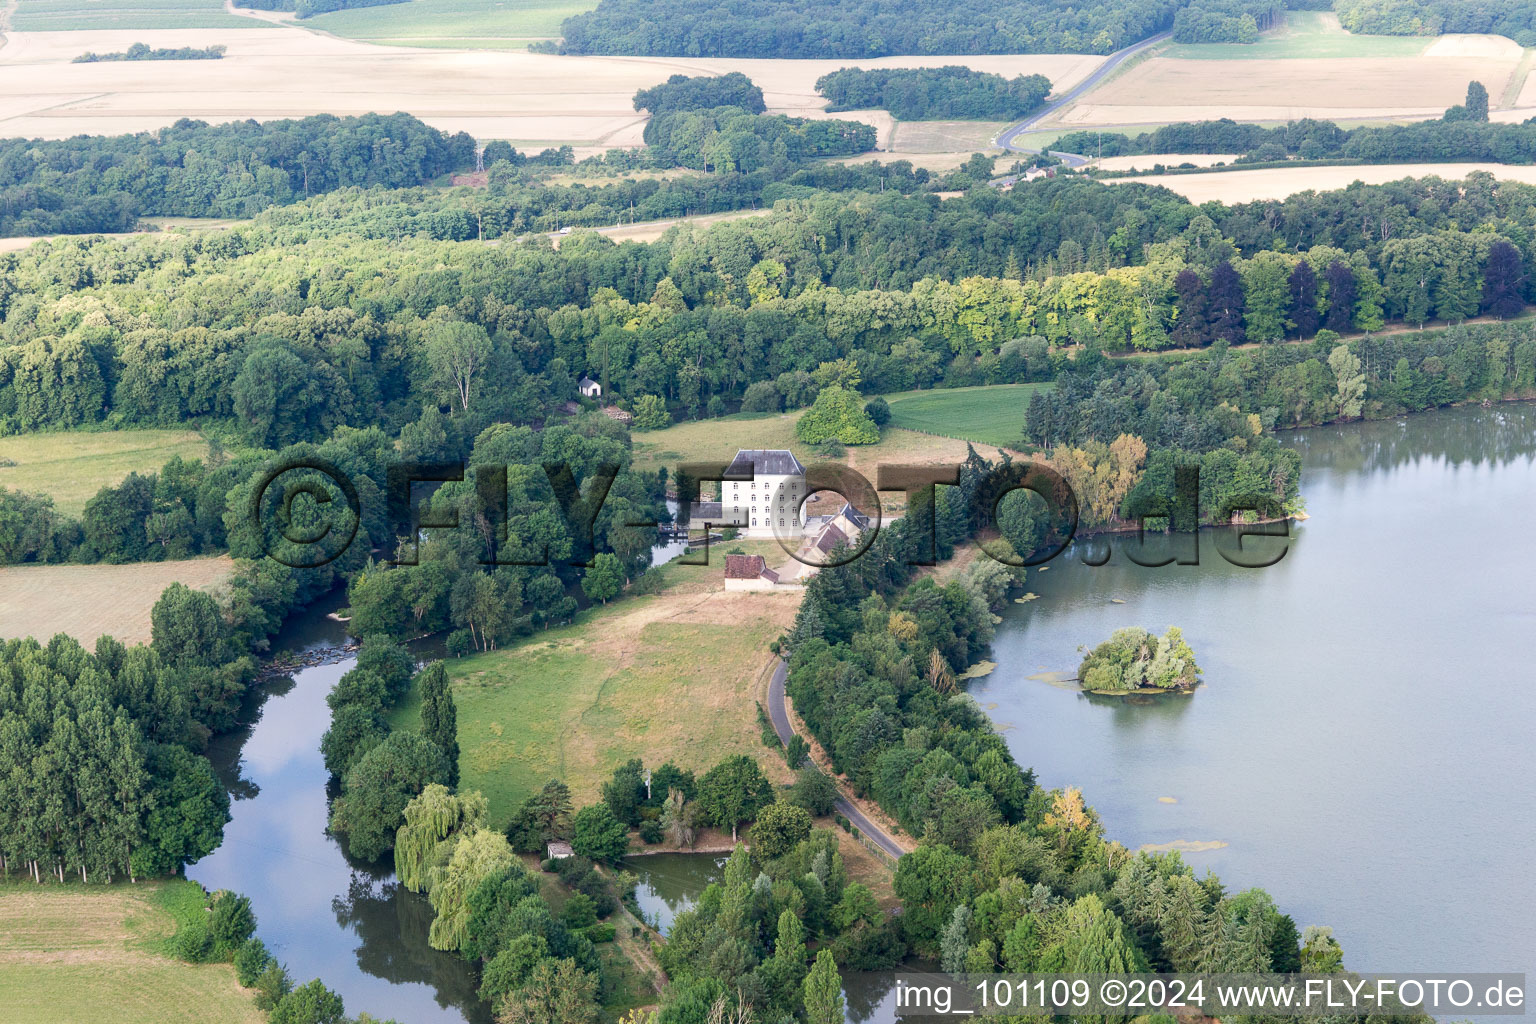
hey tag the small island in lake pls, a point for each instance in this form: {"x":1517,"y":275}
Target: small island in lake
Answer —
{"x":1135,"y":660}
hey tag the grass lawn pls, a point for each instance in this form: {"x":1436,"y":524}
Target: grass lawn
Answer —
{"x":935,"y":438}
{"x":673,"y":675}
{"x":66,"y":15}
{"x":466,"y":24}
{"x":97,"y":953}
{"x":717,"y":439}
{"x":993,"y":414}
{"x":86,"y":601}
{"x":1306,"y":34}
{"x":72,"y":467}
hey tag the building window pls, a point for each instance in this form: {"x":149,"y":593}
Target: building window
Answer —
{"x":754,"y":520}
{"x":781,"y":522}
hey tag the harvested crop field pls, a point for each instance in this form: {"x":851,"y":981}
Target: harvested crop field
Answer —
{"x":86,"y":601}
{"x":277,"y":71}
{"x":1146,"y":161}
{"x":1279,"y":182}
{"x":1164,"y":89}
{"x":77,"y":953}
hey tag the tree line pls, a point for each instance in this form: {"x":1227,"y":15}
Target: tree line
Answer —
{"x":1464,"y":133}
{"x":927,"y":94}
{"x":143,"y":51}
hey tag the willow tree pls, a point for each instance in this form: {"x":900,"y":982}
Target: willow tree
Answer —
{"x":434,"y":820}
{"x":478,"y":854}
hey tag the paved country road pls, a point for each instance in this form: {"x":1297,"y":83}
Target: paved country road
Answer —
{"x":780,"y":716}
{"x":1008,"y":139}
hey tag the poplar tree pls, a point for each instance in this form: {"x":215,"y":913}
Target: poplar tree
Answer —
{"x":440,"y":717}
{"x":824,"y":991}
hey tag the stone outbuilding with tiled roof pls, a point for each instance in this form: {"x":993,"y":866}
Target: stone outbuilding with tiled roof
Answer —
{"x":749,"y":572}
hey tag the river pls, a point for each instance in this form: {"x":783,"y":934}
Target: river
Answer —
{"x":1362,"y":746}
{"x":326,"y":916}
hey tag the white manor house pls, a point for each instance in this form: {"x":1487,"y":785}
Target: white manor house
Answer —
{"x":771,"y":499}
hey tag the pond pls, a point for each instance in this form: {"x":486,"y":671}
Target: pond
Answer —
{"x":1362,"y":746}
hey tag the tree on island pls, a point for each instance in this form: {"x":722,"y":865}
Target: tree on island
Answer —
{"x":1133,"y":659}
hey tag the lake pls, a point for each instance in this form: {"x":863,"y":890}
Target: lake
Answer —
{"x":1362,"y":745}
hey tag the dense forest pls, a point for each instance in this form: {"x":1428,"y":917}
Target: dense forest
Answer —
{"x":193,"y":169}
{"x":919,"y":94}
{"x":799,"y":28}
{"x":1225,"y":21}
{"x":702,"y":92}
{"x":1513,"y":18}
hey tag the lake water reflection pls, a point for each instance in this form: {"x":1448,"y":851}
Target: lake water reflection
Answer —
{"x":1362,"y":746}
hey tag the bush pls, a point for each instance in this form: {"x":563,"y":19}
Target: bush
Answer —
{"x":648,"y":582}
{"x":762,"y":396}
{"x":596,"y":888}
{"x":193,"y":943}
{"x":571,"y":868}
{"x":796,"y":751}
{"x":460,"y":643}
{"x":251,"y":961}
{"x":878,"y":410}
{"x":651,"y":832}
{"x":271,"y":986}
{"x":600,"y":933}
{"x":579,"y":911}
{"x":230,"y":923}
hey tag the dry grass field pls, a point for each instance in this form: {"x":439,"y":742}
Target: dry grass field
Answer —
{"x":673,"y":675}
{"x":275,"y":70}
{"x":946,"y":136}
{"x":72,"y":467}
{"x":75,"y":954}
{"x":1279,"y":182}
{"x":86,"y":601}
{"x":1143,"y":163}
